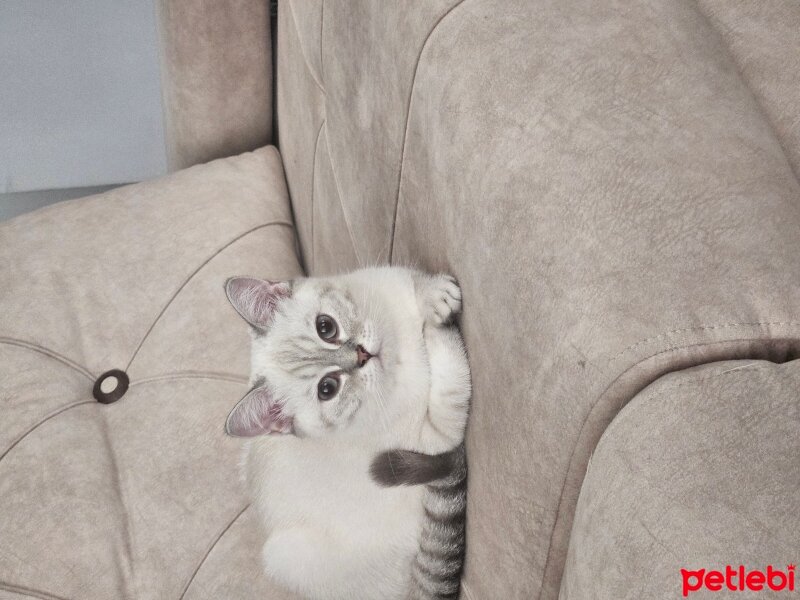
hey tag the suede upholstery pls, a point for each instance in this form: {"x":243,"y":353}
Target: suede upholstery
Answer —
{"x":614,"y":190}
{"x":700,"y":470}
{"x":763,"y":40}
{"x":344,"y":81}
{"x":140,"y":498}
{"x":615,"y":185}
{"x":216,"y":72}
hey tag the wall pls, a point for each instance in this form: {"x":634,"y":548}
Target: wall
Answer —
{"x":80,"y":99}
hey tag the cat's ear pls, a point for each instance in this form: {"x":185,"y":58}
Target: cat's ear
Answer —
{"x":256,"y":299}
{"x":258,"y":414}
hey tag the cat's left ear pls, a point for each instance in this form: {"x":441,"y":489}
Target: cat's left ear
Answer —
{"x":256,"y":299}
{"x":257,"y":414}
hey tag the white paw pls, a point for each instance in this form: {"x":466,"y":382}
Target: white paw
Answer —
{"x":443,"y":299}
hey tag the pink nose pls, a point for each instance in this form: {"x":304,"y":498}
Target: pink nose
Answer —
{"x":362,"y":356}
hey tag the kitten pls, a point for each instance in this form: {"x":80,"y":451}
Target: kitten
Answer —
{"x":357,"y":414}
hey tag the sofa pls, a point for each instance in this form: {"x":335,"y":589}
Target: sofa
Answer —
{"x":615,"y":186}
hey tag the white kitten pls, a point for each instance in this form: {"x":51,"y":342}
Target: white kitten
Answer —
{"x":360,"y":396}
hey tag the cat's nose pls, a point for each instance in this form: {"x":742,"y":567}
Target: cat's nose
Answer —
{"x":362,"y":356}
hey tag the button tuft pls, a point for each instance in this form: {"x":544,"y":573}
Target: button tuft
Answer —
{"x":110,"y":386}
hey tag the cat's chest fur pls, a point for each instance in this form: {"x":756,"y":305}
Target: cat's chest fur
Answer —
{"x":325,"y":484}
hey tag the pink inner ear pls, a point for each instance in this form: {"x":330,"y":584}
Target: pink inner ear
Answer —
{"x":258,"y":414}
{"x":255,"y":299}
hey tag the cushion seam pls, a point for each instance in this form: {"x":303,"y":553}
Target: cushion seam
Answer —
{"x":590,"y":412}
{"x":744,"y":369}
{"x":34,"y":427}
{"x":128,"y":578}
{"x":408,"y":120}
{"x":313,"y":178}
{"x":341,"y":203}
{"x":303,"y":50}
{"x":210,"y":549}
{"x":21,"y":589}
{"x":191,"y":276}
{"x":701,"y":328}
{"x":656,"y":395}
{"x":49,"y":353}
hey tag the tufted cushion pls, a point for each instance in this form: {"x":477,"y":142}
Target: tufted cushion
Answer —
{"x":139,"y":498}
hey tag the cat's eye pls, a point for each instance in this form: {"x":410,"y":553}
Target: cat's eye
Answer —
{"x":327,"y":387}
{"x":327,"y":328}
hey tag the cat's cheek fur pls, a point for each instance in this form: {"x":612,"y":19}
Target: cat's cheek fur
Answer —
{"x":309,"y":424}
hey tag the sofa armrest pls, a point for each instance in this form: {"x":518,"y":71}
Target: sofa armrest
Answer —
{"x":699,"y":472}
{"x":216,"y":71}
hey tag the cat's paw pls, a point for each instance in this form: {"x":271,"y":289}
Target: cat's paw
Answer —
{"x":441,"y":299}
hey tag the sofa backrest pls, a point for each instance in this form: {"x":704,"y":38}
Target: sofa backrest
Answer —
{"x":614,"y":185}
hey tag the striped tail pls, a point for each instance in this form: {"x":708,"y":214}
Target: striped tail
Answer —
{"x":437,"y":568}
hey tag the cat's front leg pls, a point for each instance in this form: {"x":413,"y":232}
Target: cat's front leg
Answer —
{"x":438,"y":296}
{"x":448,"y":406}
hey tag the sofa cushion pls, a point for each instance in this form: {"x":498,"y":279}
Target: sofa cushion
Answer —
{"x":345,"y":74}
{"x":699,"y":471}
{"x":139,"y":498}
{"x":206,"y":46}
{"x":614,"y":199}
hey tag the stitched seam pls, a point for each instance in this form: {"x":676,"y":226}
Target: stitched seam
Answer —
{"x":231,"y":377}
{"x":341,"y":204}
{"x":756,"y":99}
{"x":33,"y":428}
{"x":127,"y":576}
{"x":191,"y":276}
{"x":586,"y":419}
{"x":745,"y":369}
{"x":655,"y":396}
{"x":210,"y":549}
{"x":701,"y":328}
{"x":313,"y":179}
{"x":303,"y":50}
{"x":21,"y":589}
{"x":408,"y":120}
{"x":49,"y":353}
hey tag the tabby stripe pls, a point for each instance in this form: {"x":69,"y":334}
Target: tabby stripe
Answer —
{"x":444,"y":505}
{"x":446,"y":552}
{"x":439,"y":568}
{"x":449,"y":489}
{"x":455,"y":517}
{"x":439,"y":563}
{"x":418,"y":593}
{"x":435,"y":585}
{"x":443,"y":533}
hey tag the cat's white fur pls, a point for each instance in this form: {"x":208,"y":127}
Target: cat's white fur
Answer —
{"x":331,"y":531}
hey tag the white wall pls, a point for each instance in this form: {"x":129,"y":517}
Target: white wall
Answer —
{"x":80,"y":94}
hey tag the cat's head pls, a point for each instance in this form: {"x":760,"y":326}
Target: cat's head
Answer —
{"x":327,"y":355}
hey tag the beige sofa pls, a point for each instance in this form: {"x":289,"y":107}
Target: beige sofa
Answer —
{"x":614,"y":184}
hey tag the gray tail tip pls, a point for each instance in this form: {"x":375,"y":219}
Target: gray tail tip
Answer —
{"x":406,"y":467}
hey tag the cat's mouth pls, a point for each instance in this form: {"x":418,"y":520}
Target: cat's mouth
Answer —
{"x":363,"y":355}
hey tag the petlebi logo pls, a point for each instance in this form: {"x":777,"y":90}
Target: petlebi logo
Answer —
{"x":738,"y":579}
